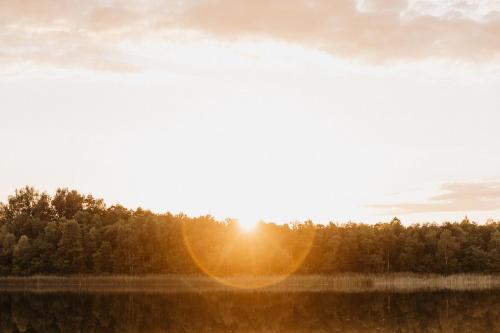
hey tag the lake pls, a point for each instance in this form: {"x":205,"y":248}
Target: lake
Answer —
{"x":251,"y":311}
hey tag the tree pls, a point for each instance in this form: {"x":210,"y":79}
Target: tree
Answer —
{"x":28,"y":202}
{"x":103,"y":258}
{"x":447,"y":246}
{"x":69,"y":253}
{"x":89,"y":248}
{"x":8,"y":243}
{"x":389,"y":234}
{"x":22,"y":256}
{"x":67,"y":203}
{"x":494,"y":251}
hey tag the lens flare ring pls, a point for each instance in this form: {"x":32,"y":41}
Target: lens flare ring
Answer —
{"x":277,"y":251}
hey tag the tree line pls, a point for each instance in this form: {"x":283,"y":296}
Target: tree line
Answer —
{"x":71,"y":233}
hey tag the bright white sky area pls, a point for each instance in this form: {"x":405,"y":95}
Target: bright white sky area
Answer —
{"x":264,"y":110}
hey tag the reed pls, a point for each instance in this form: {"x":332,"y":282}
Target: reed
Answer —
{"x":351,"y":283}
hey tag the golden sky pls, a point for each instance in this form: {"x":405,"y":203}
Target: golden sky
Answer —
{"x":263,"y":109}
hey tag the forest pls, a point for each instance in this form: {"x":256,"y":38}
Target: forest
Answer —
{"x":71,"y":233}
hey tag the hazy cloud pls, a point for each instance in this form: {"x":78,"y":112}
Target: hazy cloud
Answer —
{"x":90,"y":33}
{"x":457,"y":197}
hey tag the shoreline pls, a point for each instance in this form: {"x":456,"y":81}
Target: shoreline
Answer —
{"x":348,"y":283}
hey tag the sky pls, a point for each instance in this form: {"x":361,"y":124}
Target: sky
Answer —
{"x":258,"y":110}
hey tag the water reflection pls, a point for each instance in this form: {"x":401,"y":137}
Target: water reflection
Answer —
{"x":251,"y":312}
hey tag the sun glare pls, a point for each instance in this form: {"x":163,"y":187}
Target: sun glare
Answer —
{"x":247,"y":225}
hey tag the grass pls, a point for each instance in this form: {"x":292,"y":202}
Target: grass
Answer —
{"x":399,"y":282}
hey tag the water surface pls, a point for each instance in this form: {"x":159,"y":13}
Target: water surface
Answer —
{"x":251,"y":312}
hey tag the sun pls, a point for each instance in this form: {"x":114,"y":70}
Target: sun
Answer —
{"x":247,"y":225}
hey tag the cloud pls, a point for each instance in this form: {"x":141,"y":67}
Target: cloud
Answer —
{"x":457,"y":197}
{"x":90,"y":33}
{"x":382,"y":31}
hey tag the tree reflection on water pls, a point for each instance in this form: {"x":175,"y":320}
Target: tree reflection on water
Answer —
{"x":251,"y":312}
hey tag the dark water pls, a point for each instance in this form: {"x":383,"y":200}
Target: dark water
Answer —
{"x":251,"y":312}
